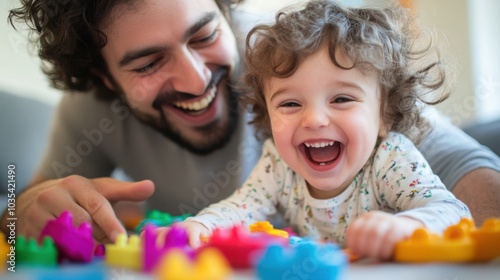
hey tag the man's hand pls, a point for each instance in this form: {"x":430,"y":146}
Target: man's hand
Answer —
{"x":87,"y":199}
{"x":376,"y":233}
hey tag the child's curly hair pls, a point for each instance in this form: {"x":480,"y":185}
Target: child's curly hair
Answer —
{"x":379,"y":40}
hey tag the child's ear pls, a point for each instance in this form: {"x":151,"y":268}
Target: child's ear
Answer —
{"x":384,"y":127}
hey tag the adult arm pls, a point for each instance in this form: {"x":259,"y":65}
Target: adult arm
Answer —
{"x":88,"y":200}
{"x":471,"y":171}
{"x":81,"y":126}
{"x":480,"y":190}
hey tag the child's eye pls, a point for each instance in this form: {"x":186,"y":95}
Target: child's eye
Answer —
{"x":341,"y":99}
{"x":289,"y":104}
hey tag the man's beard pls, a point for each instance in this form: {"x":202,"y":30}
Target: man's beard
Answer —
{"x":218,"y":133}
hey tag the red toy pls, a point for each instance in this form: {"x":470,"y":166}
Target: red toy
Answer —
{"x":240,"y":247}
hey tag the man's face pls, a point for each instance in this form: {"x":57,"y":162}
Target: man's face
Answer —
{"x":173,"y":61}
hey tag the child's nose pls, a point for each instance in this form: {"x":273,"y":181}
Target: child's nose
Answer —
{"x":315,"y":118}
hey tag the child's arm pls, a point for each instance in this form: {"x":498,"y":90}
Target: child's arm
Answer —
{"x":414,"y":197}
{"x":407,"y":186}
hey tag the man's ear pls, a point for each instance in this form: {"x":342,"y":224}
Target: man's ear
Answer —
{"x":105,"y":78}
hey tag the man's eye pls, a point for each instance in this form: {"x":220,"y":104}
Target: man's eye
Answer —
{"x":151,"y":67}
{"x":208,"y":39}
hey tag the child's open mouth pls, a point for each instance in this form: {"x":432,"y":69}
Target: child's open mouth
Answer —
{"x":321,"y":153}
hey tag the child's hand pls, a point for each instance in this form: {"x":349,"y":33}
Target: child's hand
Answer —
{"x":195,"y":231}
{"x":376,"y":233}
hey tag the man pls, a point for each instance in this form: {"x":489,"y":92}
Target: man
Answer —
{"x":158,"y":102}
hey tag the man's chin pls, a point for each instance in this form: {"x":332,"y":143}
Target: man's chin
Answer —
{"x":203,"y":143}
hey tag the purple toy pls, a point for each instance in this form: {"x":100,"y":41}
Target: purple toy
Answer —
{"x":176,"y":237}
{"x":74,"y":244}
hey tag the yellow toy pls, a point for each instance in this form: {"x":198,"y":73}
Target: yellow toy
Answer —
{"x":455,"y":245}
{"x":266,"y":227}
{"x":125,"y":254}
{"x":461,"y":242}
{"x":210,"y":264}
{"x":4,"y":250}
{"x":487,"y":240}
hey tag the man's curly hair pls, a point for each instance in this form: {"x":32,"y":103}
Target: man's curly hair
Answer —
{"x":69,"y":38}
{"x":379,"y":40}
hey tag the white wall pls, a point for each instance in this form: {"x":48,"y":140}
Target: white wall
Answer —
{"x":450,"y":21}
{"x":20,"y":71}
{"x":485,"y":47}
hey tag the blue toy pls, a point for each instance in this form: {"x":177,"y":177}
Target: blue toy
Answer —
{"x":307,"y":260}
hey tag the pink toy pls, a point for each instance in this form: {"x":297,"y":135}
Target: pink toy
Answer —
{"x":176,"y":237}
{"x":74,"y":244}
{"x":241,"y":247}
{"x":99,"y":250}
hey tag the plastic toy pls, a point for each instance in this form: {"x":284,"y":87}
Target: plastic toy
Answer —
{"x":455,"y":245}
{"x":99,"y":251}
{"x":160,"y":219}
{"x":4,"y":250}
{"x":268,"y":228}
{"x":487,"y":240}
{"x":152,"y":252}
{"x":125,"y":254}
{"x":295,"y":240}
{"x":74,"y":244}
{"x":210,"y":264}
{"x":239,"y":246}
{"x":308,"y":260}
{"x":28,"y":252}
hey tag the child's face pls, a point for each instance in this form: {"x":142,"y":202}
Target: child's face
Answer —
{"x":325,"y":121}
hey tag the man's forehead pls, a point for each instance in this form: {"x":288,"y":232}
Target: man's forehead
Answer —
{"x":173,"y":10}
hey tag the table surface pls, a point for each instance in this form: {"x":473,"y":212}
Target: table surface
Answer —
{"x":359,"y":270}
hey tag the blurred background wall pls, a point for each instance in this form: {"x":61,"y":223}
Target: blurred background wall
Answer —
{"x":467,"y":30}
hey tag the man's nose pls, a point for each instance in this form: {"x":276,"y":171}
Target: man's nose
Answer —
{"x":191,"y":73}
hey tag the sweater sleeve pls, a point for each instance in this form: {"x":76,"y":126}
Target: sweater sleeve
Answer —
{"x":407,"y":185}
{"x":255,"y":201}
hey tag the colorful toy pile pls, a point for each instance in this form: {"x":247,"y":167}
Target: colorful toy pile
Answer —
{"x":272,"y":253}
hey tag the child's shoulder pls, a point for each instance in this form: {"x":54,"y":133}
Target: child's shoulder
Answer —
{"x":396,"y":142}
{"x":396,"y":147}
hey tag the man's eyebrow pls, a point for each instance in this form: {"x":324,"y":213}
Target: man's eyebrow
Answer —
{"x":132,"y":55}
{"x":208,"y":17}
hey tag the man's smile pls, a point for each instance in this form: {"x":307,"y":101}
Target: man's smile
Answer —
{"x":199,"y":104}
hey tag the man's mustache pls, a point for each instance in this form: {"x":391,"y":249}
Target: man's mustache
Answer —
{"x":176,"y":96}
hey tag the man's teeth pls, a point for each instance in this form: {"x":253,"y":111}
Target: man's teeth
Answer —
{"x":319,"y":144}
{"x":198,"y":105}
